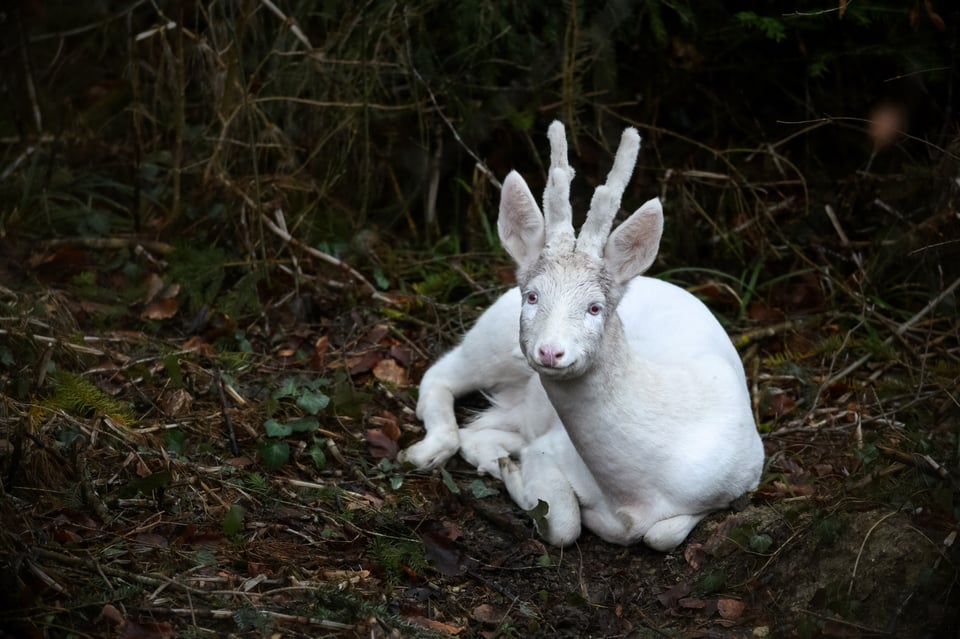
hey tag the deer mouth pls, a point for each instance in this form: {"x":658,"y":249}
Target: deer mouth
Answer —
{"x":556,"y":370}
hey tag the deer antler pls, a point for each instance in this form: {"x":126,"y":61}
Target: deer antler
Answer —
{"x":557,"y":212}
{"x":606,"y":199}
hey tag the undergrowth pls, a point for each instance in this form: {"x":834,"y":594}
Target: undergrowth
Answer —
{"x":233,"y":235}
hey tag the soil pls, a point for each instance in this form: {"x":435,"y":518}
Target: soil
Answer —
{"x":153,"y":525}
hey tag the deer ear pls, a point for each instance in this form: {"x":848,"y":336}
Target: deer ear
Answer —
{"x":632,"y":247}
{"x":520,"y":224}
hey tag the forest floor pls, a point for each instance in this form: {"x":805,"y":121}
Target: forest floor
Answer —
{"x":179,"y":475}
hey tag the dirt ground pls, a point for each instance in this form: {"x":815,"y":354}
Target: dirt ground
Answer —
{"x":146,"y":507}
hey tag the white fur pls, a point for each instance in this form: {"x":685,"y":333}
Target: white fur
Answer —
{"x":616,"y":399}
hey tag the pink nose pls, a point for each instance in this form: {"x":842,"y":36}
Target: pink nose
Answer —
{"x":549,"y":355}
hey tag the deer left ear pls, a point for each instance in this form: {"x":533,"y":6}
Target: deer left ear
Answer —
{"x":633,"y":246}
{"x":520,"y":224}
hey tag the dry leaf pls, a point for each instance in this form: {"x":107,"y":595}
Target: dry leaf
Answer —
{"x":175,"y":402}
{"x":151,"y":630}
{"x":433,"y":624}
{"x":485,"y":613}
{"x":154,"y":286}
{"x":111,"y":614}
{"x":363,"y":362}
{"x":730,"y":608}
{"x":160,"y":309}
{"x":380,"y":444}
{"x":692,"y":603}
{"x":388,"y":371}
{"x":443,"y":553}
{"x":694,"y":554}
{"x":387,"y":423}
{"x":196,"y":344}
{"x":318,"y":359}
{"x":670,"y":598}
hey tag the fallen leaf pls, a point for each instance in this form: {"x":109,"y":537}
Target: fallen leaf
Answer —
{"x":433,"y":624}
{"x":111,"y":614}
{"x":160,"y":309}
{"x":387,"y":423}
{"x":694,"y":554}
{"x":154,"y":285}
{"x":778,"y":404}
{"x":318,"y":358}
{"x":197,"y":345}
{"x":402,"y":354}
{"x":692,"y":603}
{"x":670,"y":598}
{"x":730,"y":608}
{"x":175,"y":402}
{"x":388,"y":371}
{"x":439,"y":548}
{"x":381,"y":446}
{"x":485,"y":613}
{"x":377,"y":333}
{"x":127,"y":629}
{"x":363,"y":363}
{"x":151,"y":630}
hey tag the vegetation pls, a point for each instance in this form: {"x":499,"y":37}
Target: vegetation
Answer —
{"x":233,"y":235}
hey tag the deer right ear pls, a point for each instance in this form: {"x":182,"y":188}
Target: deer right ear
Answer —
{"x":520,"y":224}
{"x":633,"y":246}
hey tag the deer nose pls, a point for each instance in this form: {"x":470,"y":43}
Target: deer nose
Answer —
{"x":549,"y":355}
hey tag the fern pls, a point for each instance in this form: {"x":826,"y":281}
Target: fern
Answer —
{"x":79,"y":397}
{"x":772,"y":28}
{"x":201,"y":273}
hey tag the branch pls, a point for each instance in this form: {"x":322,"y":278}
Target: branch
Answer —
{"x":279,"y":228}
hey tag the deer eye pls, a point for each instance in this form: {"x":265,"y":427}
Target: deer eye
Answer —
{"x":532,"y":297}
{"x":595,"y":309}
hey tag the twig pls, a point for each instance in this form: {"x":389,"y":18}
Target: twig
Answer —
{"x":111,"y":243}
{"x":456,"y":136}
{"x":762,"y":332}
{"x":234,"y":447}
{"x":856,"y":563}
{"x":86,"y":488}
{"x":921,"y":462}
{"x":836,"y":225}
{"x":220,"y":613}
{"x":279,"y":229}
{"x":290,"y":22}
{"x":28,"y":77}
{"x":179,"y":121}
{"x":903,"y":328}
{"x":54,"y":341}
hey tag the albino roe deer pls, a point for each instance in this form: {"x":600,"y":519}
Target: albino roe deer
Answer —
{"x":617,"y":399}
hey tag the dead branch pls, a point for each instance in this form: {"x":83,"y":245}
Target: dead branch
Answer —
{"x":279,"y":228}
{"x":903,"y":328}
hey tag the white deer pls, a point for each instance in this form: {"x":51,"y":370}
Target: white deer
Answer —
{"x":617,"y":399}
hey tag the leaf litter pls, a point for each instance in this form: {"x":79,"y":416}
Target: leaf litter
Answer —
{"x":359,"y":537}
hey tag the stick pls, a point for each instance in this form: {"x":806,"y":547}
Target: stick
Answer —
{"x":903,"y":328}
{"x":279,"y":229}
{"x":234,"y":447}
